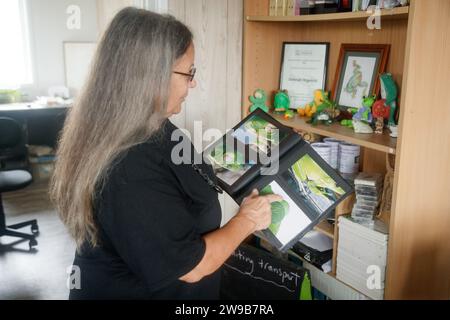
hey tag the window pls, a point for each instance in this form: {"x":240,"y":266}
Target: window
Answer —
{"x":15,"y":62}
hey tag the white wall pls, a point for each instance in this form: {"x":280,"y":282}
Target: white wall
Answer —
{"x":48,"y":31}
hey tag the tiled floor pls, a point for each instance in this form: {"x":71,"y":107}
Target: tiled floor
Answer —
{"x":40,"y":274}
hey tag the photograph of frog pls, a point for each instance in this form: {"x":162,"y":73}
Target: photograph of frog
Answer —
{"x":357,"y":73}
{"x":259,"y":134}
{"x":318,"y":190}
{"x":228,"y":166}
{"x":287,"y":217}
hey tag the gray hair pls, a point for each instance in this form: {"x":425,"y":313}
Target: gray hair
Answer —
{"x":123,"y":104}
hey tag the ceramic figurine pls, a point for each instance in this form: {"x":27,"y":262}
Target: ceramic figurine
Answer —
{"x":381,"y":112}
{"x":325,"y":110}
{"x":380,"y":109}
{"x":311,"y":108}
{"x":259,"y":100}
{"x":361,"y":127}
{"x":364,"y":113}
{"x":282,"y":101}
{"x":379,"y":125}
{"x":389,"y":93}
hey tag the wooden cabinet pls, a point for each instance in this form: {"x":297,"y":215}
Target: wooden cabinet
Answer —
{"x":419,"y":35}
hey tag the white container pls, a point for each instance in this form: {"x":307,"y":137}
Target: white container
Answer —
{"x":349,"y":155}
{"x":334,"y":144}
{"x":324,"y":150}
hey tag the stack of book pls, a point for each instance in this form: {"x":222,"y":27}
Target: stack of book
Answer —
{"x":362,"y":255}
{"x":368,"y":189}
{"x":290,"y":7}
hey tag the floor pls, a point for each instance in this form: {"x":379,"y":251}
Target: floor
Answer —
{"x":41,"y":274}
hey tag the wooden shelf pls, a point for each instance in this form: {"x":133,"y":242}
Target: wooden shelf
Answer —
{"x":326,"y":228}
{"x":383,"y":143}
{"x":389,"y":14}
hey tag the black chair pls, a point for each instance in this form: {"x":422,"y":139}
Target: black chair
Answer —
{"x":13,"y":147}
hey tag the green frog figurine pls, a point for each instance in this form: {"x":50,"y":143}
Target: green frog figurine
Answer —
{"x":389,"y":93}
{"x":259,"y":100}
{"x":282,"y":101}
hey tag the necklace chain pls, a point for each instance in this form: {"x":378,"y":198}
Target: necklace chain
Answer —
{"x":207,"y":179}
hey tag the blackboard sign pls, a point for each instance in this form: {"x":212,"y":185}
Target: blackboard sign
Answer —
{"x":251,"y":274}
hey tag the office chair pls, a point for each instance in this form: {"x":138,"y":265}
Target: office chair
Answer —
{"x":12,"y":146}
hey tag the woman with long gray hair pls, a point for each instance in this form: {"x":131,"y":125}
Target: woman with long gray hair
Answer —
{"x":145,"y":228}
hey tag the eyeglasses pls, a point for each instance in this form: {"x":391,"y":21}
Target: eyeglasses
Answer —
{"x":190,"y":75}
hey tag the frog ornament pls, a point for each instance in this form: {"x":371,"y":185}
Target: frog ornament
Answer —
{"x":385,"y":108}
{"x":282,"y":101}
{"x":259,"y":100}
{"x":389,"y":93}
{"x":363,"y":118}
{"x":310,"y":109}
{"x":323,"y":110}
{"x":282,"y":104}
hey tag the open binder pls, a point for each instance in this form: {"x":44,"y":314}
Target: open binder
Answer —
{"x":262,"y":153}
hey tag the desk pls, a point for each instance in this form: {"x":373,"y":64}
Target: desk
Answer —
{"x":44,"y":124}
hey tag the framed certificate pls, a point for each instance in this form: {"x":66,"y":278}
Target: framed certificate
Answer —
{"x":303,"y":70}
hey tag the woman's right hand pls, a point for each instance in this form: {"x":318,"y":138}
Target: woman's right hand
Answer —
{"x":257,"y":209}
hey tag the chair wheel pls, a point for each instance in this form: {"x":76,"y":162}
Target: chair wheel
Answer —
{"x":33,"y":243}
{"x":35,"y":228}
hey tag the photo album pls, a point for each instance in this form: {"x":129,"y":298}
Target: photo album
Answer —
{"x":261,"y":153}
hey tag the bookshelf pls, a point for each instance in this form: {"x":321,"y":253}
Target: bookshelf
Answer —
{"x":326,"y":228}
{"x":418,"y":254}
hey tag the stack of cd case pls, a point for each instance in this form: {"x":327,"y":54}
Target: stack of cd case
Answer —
{"x":368,"y":189}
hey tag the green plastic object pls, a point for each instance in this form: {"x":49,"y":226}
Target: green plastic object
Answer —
{"x":282,"y":102}
{"x":305,"y":291}
{"x":259,"y":100}
{"x":389,"y":92}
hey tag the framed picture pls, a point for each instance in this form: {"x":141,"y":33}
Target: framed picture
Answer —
{"x":357,"y":74}
{"x":303,"y":70}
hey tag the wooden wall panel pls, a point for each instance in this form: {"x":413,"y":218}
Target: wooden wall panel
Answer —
{"x":216,"y":102}
{"x":207,"y":103}
{"x":177,"y":8}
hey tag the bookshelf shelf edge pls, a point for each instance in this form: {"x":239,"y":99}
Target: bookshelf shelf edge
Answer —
{"x":396,"y":13}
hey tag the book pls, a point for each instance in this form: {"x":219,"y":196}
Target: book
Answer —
{"x":273,"y":7}
{"x":281,"y":8}
{"x":261,"y":153}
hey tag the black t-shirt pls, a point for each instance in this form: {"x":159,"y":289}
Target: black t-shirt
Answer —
{"x":151,"y":215}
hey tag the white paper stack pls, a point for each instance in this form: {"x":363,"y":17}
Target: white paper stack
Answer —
{"x":362,"y":255}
